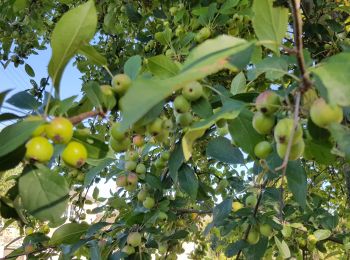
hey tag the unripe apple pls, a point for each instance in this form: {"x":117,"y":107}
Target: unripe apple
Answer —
{"x":134,"y":239}
{"x":140,"y":168}
{"x":116,"y":133}
{"x":29,"y":230}
{"x":132,"y":179}
{"x":267,"y":102}
{"x":121,"y":83}
{"x":221,"y":123}
{"x":168,"y":125}
{"x":253,"y":237}
{"x":138,"y":140}
{"x":236,"y":205}
{"x":173,"y":10}
{"x":45,"y":229}
{"x":155,"y":127}
{"x":40,"y":130}
{"x":75,"y":154}
{"x":131,"y":155}
{"x":148,"y":203}
{"x":159,"y":164}
{"x":119,"y":146}
{"x":129,"y":250}
{"x":162,"y":216}
{"x":59,"y":130}
{"x":262,"y":149}
{"x":181,"y":105}
{"x":251,"y":201}
{"x":192,"y":91}
{"x":283,"y":130}
{"x":39,"y":149}
{"x":296,"y":150}
{"x":142,"y":195}
{"x":265,"y":230}
{"x":130,"y":165}
{"x":203,"y":34}
{"x":184,"y":119}
{"x":121,"y":181}
{"x":130,"y":187}
{"x":323,"y":114}
{"x":165,"y":156}
{"x":312,"y":239}
{"x":263,"y":124}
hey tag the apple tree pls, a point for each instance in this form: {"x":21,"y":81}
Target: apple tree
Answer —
{"x":222,"y":123}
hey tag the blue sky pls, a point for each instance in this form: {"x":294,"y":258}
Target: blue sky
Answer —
{"x":18,"y":80}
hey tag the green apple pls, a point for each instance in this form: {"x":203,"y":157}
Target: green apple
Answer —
{"x":262,"y":149}
{"x":148,"y":203}
{"x":192,"y":91}
{"x":263,"y":124}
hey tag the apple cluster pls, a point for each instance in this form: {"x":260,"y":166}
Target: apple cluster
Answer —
{"x":59,"y":131}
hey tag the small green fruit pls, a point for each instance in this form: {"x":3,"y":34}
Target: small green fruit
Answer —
{"x":323,"y":114}
{"x":140,"y":168}
{"x":155,"y":127}
{"x":251,"y":201}
{"x":131,"y":155}
{"x":132,"y":179}
{"x":148,"y":203}
{"x":75,"y":154}
{"x":192,"y":91}
{"x":312,"y":239}
{"x":121,"y":83}
{"x":116,"y":133}
{"x":129,"y":250}
{"x":162,"y":216}
{"x":165,"y":156}
{"x":263,"y":124}
{"x":283,"y":130}
{"x":119,"y":146}
{"x":287,"y":231}
{"x":39,"y":149}
{"x":253,"y":237}
{"x":130,"y":165}
{"x":29,"y":230}
{"x":262,"y":149}
{"x":267,"y":102}
{"x":265,"y":230}
{"x":142,"y":195}
{"x":134,"y":239}
{"x":181,"y":104}
{"x":60,"y":130}
{"x":296,"y":150}
{"x":184,"y":119}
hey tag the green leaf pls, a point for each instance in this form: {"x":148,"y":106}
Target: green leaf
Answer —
{"x":96,"y":148}
{"x":320,"y":151}
{"x":221,"y":149}
{"x":341,"y":134}
{"x":132,"y":66}
{"x":333,"y":75}
{"x":8,"y":116}
{"x":222,"y":211}
{"x":13,"y":136}
{"x":74,"y":29}
{"x":3,"y":95}
{"x":162,"y":66}
{"x":233,"y":248}
{"x":68,"y":233}
{"x":202,"y":108}
{"x":91,"y":174}
{"x":29,"y":70}
{"x":93,"y":92}
{"x":238,"y":84}
{"x":180,"y":234}
{"x":297,"y":182}
{"x":322,"y":234}
{"x":93,"y":55}
{"x":19,"y":5}
{"x":24,"y":100}
{"x":270,"y":23}
{"x":12,"y":159}
{"x":188,"y":181}
{"x":243,"y":133}
{"x":283,"y":248}
{"x":208,"y":58}
{"x":153,"y":181}
{"x":175,"y":161}
{"x":227,"y":7}
{"x":44,"y":193}
{"x":164,"y":37}
{"x":274,"y":67}
{"x":230,"y":110}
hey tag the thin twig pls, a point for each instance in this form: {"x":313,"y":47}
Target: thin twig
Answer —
{"x":298,"y":31}
{"x":77,"y":119}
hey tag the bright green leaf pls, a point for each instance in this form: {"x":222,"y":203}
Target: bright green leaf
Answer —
{"x":68,"y":233}
{"x":162,"y":66}
{"x":283,"y":248}
{"x":322,"y":234}
{"x":132,"y":66}
{"x":238,"y":84}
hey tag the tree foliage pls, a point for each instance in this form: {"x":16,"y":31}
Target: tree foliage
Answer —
{"x":224,"y":123}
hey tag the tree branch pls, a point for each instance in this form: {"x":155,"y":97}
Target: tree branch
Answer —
{"x":298,"y":32}
{"x":189,"y":211}
{"x":77,"y":119}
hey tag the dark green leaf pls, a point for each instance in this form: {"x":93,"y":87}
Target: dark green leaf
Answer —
{"x":24,"y":100}
{"x":180,"y":234}
{"x":297,"y":182}
{"x":221,"y":149}
{"x":3,"y":95}
{"x":91,"y":174}
{"x":8,"y":116}
{"x":13,"y":136}
{"x":175,"y":161}
{"x":188,"y":181}
{"x":202,"y":108}
{"x":44,"y":194}
{"x":29,"y":70}
{"x":233,"y":248}
{"x":153,"y":181}
{"x":12,"y":159}
{"x":222,"y":211}
{"x":132,"y":66}
{"x":93,"y":92}
{"x":68,"y":233}
{"x":96,"y":148}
